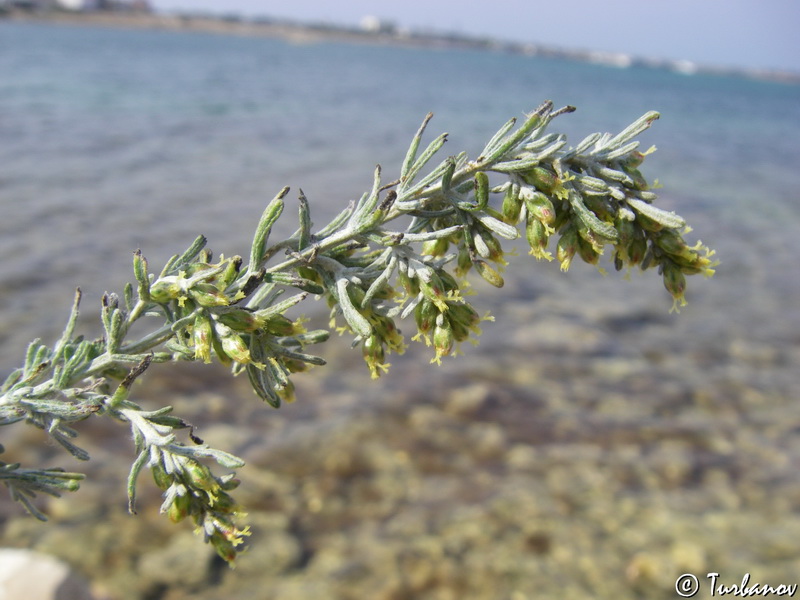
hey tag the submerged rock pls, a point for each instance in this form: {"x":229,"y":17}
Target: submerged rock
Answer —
{"x":28,"y":575}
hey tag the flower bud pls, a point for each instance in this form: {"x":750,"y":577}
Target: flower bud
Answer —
{"x":432,"y":287}
{"x":567,"y":247}
{"x":199,"y":476}
{"x":639,"y":182}
{"x":675,"y":282}
{"x":464,"y":261}
{"x":411,"y":286}
{"x":163,"y":481}
{"x":464,"y":314}
{"x":488,"y":273}
{"x":223,"y":503}
{"x":495,"y":249}
{"x":512,"y":205}
{"x":223,"y":546}
{"x":448,"y":281}
{"x":634,"y":159}
{"x":672,"y":243}
{"x":587,"y":251}
{"x":206,"y":294}
{"x":425,"y":315}
{"x":437,"y":247}
{"x":442,"y":338}
{"x":374,"y":354}
{"x":599,"y":206}
{"x":637,"y":250}
{"x":281,"y":325}
{"x":541,"y":208}
{"x":542,"y":178}
{"x":179,"y":508}
{"x":234,"y":347}
{"x":229,"y":482}
{"x":202,"y":337}
{"x":165,"y":289}
{"x":241,"y":320}
{"x":537,"y":235}
{"x":625,"y":230}
{"x":197,"y":267}
{"x":648,"y":224}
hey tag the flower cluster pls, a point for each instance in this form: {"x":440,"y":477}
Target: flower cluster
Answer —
{"x":190,"y":488}
{"x":374,"y":275}
{"x":203,"y":302}
{"x":595,"y":196}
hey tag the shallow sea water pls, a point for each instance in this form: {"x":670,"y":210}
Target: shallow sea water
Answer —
{"x":588,"y":423}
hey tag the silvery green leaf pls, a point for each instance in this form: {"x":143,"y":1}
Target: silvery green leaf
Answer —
{"x":282,"y":306}
{"x":410,"y":306}
{"x":268,"y":218}
{"x":128,"y":296}
{"x":358,"y":322}
{"x":74,"y":450}
{"x":379,"y":283}
{"x":365,"y":208}
{"x":534,"y":120}
{"x":13,"y":378}
{"x":69,"y":330}
{"x":427,"y":154}
{"x":263,"y":384}
{"x":177,"y":262}
{"x":549,"y":151}
{"x":304,"y":214}
{"x":337,"y":221}
{"x":224,"y":459}
{"x":538,"y":143}
{"x":480,"y":245}
{"x":616,"y":193}
{"x":592,"y":183}
{"x":668,"y":219}
{"x":502,"y":229}
{"x":613,"y":174}
{"x":589,"y":219}
{"x":136,"y":468}
{"x":80,"y":358}
{"x":316,"y":336}
{"x":516,"y":165}
{"x":431,"y":235}
{"x":586,"y":142}
{"x":632,"y":130}
{"x":497,"y":137}
{"x":411,"y":155}
{"x":648,"y":196}
{"x":276,"y":371}
{"x":140,"y":273}
{"x":301,"y":356}
{"x":622,"y":150}
{"x":412,"y":203}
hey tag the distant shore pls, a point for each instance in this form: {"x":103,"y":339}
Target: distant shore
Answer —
{"x":303,"y":33}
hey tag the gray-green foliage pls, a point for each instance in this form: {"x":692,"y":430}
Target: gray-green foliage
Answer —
{"x":372,"y":272}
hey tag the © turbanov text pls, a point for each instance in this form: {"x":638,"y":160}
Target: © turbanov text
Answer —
{"x":746,"y":589}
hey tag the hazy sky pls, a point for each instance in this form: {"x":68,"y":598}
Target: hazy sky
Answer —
{"x":744,"y":33}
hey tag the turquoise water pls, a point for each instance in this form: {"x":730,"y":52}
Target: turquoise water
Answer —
{"x":112,"y":140}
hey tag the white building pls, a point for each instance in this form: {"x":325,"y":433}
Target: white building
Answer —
{"x":77,"y":5}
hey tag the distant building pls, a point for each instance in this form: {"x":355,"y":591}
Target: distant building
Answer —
{"x":139,"y":6}
{"x":372,"y":24}
{"x":77,"y":5}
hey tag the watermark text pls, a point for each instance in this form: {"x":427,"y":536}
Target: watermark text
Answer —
{"x":688,"y":585}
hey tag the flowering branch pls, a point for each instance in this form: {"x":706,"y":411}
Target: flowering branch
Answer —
{"x":372,"y":274}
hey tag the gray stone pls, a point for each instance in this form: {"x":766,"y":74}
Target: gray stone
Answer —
{"x":28,"y":575}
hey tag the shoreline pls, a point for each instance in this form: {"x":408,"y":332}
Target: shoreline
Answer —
{"x":299,"y":33}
